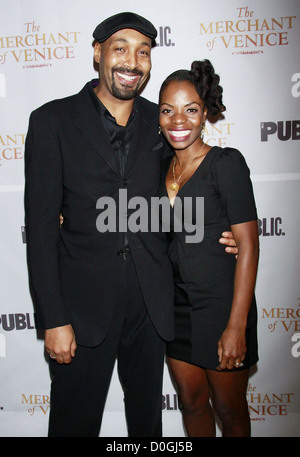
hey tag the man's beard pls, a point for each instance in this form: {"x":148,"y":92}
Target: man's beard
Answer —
{"x":125,"y":93}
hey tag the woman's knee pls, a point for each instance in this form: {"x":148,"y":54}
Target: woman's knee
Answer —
{"x":191,"y":381}
{"x":194,"y":399}
{"x":231,"y":412}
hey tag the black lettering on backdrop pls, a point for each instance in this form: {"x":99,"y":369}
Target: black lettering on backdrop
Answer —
{"x":163,"y":36}
{"x":285,"y":130}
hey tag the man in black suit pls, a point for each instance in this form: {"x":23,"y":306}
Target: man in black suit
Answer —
{"x":100,"y":295}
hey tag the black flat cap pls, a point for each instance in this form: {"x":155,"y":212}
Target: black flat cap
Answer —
{"x":124,"y":21}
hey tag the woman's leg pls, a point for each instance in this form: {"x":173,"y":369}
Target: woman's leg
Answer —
{"x":230,"y":402}
{"x":193,"y":391}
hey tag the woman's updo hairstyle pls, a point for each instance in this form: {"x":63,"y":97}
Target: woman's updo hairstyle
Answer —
{"x":206,"y":82}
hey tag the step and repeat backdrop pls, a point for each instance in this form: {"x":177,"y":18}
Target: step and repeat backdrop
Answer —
{"x":46,"y":53}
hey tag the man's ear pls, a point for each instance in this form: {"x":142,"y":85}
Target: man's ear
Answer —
{"x":97,"y":52}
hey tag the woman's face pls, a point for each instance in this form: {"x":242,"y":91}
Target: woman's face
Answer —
{"x":182,"y":114}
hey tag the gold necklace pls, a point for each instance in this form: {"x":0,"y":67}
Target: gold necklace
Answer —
{"x":175,"y":186}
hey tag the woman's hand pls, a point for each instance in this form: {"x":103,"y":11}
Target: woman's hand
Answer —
{"x":231,"y":348}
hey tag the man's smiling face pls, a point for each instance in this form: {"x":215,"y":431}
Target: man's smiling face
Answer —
{"x":124,"y":63}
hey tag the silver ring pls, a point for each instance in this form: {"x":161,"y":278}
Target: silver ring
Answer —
{"x":52,"y":357}
{"x":239,"y":365}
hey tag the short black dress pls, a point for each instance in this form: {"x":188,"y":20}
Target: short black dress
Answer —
{"x":203,"y":271}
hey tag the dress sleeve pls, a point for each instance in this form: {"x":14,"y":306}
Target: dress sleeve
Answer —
{"x":232,"y":177}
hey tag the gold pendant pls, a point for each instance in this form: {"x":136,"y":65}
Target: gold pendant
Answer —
{"x":174,"y":186}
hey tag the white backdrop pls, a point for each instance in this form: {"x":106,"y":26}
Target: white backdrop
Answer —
{"x":46,"y":53}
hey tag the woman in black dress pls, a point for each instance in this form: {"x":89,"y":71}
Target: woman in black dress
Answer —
{"x":215,"y":309}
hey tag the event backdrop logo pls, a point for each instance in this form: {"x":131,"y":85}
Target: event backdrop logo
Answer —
{"x":247,"y":34}
{"x":2,"y":345}
{"x":35,"y":49}
{"x":295,"y":345}
{"x":36,"y":403}
{"x":218,"y":134}
{"x":284,"y":318}
{"x":164,"y":36}
{"x":271,"y":226}
{"x":285,"y":130}
{"x":296,"y":87}
{"x":17,"y":321}
{"x":2,"y":85}
{"x":264,"y":404}
{"x":11,"y":147}
{"x":11,"y":322}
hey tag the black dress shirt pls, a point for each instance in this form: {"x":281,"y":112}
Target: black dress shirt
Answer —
{"x":120,"y":136}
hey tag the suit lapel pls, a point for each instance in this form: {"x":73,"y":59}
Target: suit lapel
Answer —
{"x":144,"y":137}
{"x":89,"y":123}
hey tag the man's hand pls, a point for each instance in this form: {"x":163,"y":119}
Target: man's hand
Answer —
{"x":230,"y":243}
{"x":60,"y":343}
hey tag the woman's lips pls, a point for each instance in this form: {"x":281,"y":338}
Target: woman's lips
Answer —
{"x":179,"y":135}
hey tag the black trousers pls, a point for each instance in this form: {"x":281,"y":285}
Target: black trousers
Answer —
{"x":79,"y":389}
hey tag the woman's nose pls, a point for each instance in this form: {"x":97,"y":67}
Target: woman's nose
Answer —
{"x":179,"y":118}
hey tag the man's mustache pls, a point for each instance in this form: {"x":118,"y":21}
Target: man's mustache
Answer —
{"x":134,"y":71}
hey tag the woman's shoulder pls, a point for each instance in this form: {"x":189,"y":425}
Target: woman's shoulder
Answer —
{"x":227,"y":152}
{"x":227,"y":158}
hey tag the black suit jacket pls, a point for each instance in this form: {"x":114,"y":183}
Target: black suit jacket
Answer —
{"x":69,"y":165}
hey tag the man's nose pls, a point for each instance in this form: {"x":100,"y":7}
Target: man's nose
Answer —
{"x":131,"y":60}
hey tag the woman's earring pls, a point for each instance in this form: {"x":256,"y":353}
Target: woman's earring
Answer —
{"x":202,"y":131}
{"x":159,"y":130}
